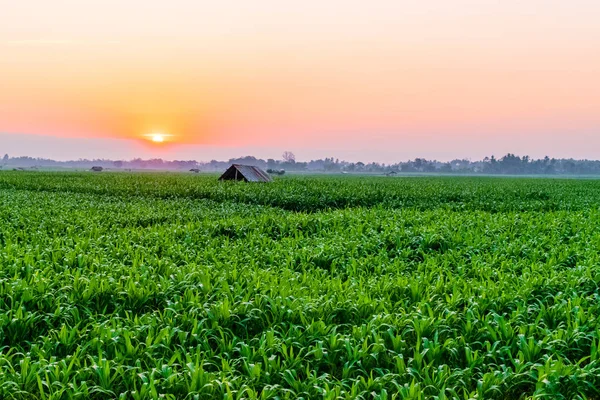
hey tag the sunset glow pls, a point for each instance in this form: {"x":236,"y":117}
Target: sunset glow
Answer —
{"x":387,"y":81}
{"x":158,"y":137}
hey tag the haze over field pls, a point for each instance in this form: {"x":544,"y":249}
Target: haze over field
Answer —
{"x":389,"y":81}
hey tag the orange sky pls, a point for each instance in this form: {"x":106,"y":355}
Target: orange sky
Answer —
{"x":429,"y":78}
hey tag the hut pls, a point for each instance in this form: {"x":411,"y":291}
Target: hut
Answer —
{"x":96,"y":169}
{"x":195,"y":170}
{"x":246,"y":173}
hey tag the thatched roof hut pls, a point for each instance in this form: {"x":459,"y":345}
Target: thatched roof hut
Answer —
{"x":246,"y":173}
{"x":96,"y":169}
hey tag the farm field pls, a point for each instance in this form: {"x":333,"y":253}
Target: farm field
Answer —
{"x":175,"y":286}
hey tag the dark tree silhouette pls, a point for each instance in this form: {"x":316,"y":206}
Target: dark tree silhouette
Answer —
{"x":289,"y":157}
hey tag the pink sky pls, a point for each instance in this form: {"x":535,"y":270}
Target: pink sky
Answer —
{"x":382,"y":80}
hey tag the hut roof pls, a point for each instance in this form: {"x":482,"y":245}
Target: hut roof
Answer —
{"x":248,"y":173}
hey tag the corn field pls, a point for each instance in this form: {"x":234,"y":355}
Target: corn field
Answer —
{"x":173,"y":286}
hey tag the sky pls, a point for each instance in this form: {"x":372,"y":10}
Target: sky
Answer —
{"x":383,"y":80}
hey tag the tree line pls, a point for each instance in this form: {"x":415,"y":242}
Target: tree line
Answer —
{"x":510,"y":164}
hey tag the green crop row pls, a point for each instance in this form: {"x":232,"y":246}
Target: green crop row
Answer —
{"x":310,"y":193}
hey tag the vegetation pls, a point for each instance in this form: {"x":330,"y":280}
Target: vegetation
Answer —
{"x":144,"y":286}
{"x":510,"y":164}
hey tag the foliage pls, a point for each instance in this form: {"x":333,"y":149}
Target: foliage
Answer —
{"x":148,"y":286}
{"x":509,"y":164}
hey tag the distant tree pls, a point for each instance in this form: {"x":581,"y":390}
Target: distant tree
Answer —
{"x":118,"y":164}
{"x":271,"y":163}
{"x":288,"y":156}
{"x":419,"y":163}
{"x":446,"y":167}
{"x":5,"y":158}
{"x":429,"y":167}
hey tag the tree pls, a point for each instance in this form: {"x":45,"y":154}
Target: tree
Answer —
{"x":288,"y":156}
{"x":271,"y":163}
{"x":5,"y":159}
{"x":118,"y":164}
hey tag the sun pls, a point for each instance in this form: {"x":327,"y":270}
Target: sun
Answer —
{"x":157,"y":137}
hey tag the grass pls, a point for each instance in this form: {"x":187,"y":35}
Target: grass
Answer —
{"x":143,"y":286}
